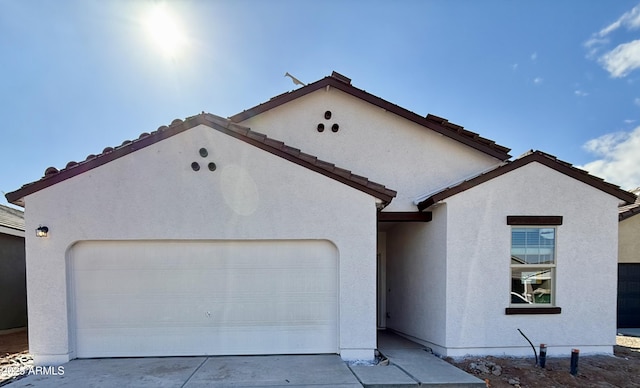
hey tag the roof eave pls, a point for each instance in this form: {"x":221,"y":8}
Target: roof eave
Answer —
{"x":476,"y":142}
{"x":241,"y":133}
{"x":536,"y":156}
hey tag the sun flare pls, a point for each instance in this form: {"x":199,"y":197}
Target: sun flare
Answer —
{"x":165,"y":32}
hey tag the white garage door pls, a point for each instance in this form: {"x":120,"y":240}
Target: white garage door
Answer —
{"x":204,"y":298}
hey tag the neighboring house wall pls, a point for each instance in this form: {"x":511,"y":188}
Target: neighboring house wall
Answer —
{"x":373,"y":142}
{"x":478,"y":274}
{"x":416,"y":269}
{"x":153,"y":194}
{"x":628,"y":241}
{"x":629,"y":272}
{"x":13,"y":289}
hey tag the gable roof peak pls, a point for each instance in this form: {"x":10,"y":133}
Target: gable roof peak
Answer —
{"x":341,"y":77}
{"x":529,"y":157}
{"x":340,"y":82}
{"x":53,"y":175}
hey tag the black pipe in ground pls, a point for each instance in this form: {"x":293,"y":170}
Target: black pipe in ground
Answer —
{"x":543,"y":355}
{"x":575,"y":353}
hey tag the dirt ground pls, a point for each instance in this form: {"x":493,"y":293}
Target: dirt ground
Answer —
{"x":14,"y":354}
{"x":621,"y":370}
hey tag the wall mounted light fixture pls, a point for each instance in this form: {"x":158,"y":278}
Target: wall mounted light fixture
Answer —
{"x":42,"y":231}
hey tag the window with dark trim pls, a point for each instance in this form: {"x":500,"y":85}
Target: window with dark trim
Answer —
{"x":533,"y":264}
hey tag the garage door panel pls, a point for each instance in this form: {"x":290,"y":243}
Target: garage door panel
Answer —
{"x":236,"y":340}
{"x":217,"y":297}
{"x":227,"y":281}
{"x":211,"y":313}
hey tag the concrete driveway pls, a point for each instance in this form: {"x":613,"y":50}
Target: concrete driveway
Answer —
{"x":246,"y":371}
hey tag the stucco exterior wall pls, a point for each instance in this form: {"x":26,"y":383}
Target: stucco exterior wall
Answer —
{"x":153,"y":194}
{"x":416,"y":270}
{"x":13,"y":288}
{"x":478,"y":273}
{"x":628,"y":241}
{"x":373,"y":142}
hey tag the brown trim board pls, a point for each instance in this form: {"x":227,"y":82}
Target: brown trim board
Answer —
{"x":405,"y":216}
{"x":534,"y":220}
{"x":532,"y":310}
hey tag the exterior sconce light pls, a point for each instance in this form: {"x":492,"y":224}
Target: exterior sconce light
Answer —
{"x":42,"y":231}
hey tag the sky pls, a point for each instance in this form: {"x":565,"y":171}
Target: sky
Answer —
{"x":562,"y":77}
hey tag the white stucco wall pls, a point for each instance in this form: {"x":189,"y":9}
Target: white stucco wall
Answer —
{"x":373,"y":142}
{"x":629,"y":243}
{"x":153,"y":194}
{"x":478,"y":273}
{"x":416,"y":270}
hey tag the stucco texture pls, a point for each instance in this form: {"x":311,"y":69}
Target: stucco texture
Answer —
{"x":373,"y":142}
{"x":153,"y":194}
{"x":416,"y":270}
{"x":478,"y":273}
{"x":449,"y":280}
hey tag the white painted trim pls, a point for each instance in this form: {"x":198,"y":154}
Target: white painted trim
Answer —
{"x":11,"y":231}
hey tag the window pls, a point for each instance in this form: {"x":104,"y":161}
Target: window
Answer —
{"x":533,"y":266}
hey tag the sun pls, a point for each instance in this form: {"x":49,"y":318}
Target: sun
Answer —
{"x":165,"y":31}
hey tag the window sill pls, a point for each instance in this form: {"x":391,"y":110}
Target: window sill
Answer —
{"x":531,"y":310}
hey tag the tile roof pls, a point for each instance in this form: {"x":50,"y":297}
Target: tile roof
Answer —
{"x":53,"y":175}
{"x":627,"y":211}
{"x":531,"y":156}
{"x":11,"y":218}
{"x":435,"y":123}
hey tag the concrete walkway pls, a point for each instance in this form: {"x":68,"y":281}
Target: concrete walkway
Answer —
{"x":249,"y":371}
{"x":410,"y":366}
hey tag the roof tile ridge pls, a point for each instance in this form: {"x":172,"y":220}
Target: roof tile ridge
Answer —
{"x":461,"y":130}
{"x":53,"y":171}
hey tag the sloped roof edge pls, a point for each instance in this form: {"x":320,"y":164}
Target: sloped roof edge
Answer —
{"x":435,"y":123}
{"x":628,"y":211}
{"x":278,"y":148}
{"x":532,"y":156}
{"x":11,"y":218}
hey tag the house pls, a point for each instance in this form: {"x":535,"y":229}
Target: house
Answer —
{"x":13,"y":287}
{"x":304,"y":224}
{"x":629,"y":265}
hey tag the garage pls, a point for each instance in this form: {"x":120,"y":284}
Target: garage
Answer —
{"x":628,"y":295}
{"x":179,"y":298}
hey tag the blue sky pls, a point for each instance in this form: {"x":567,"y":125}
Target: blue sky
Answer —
{"x":559,"y":76}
